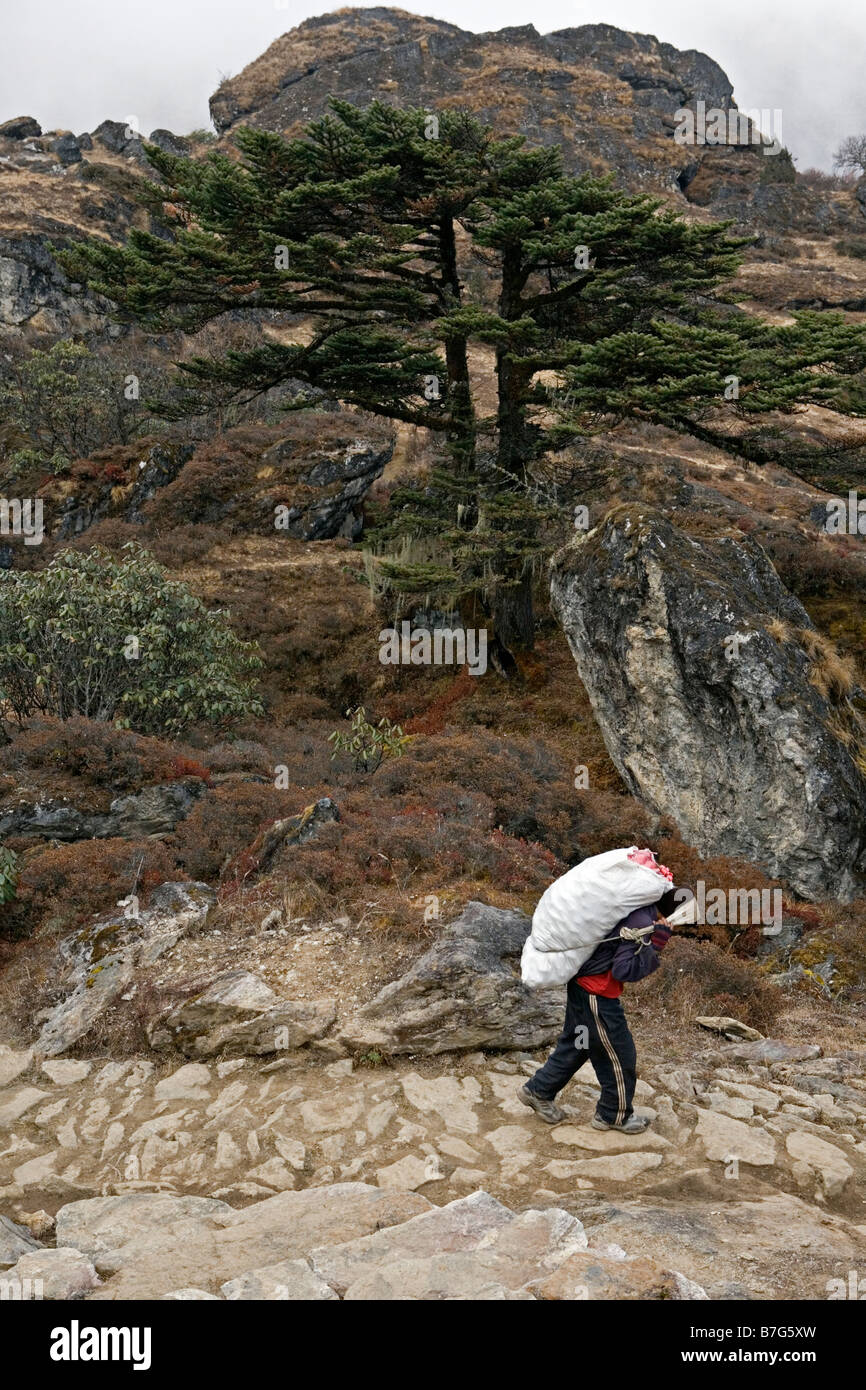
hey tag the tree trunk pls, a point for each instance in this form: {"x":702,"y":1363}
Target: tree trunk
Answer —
{"x":512,"y":605}
{"x":514,"y":615}
{"x":462,"y":436}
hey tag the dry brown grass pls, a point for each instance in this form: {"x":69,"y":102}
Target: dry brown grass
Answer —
{"x":780,"y":630}
{"x":833,"y":675}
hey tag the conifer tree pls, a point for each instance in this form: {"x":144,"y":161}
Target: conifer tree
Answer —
{"x":361,"y":226}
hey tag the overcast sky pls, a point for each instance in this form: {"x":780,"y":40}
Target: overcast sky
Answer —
{"x":71,"y":63}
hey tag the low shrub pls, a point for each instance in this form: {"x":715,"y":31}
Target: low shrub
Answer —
{"x":113,"y":638}
{"x":223,"y":823}
{"x":62,"y":886}
{"x":701,"y":977}
{"x":98,"y":753}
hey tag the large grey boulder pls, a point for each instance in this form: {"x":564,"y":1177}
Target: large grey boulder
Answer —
{"x":20,"y":128}
{"x":374,"y":51}
{"x":700,"y":666}
{"x":465,"y":992}
{"x":166,"y":140}
{"x":118,"y":136}
{"x":67,"y":148}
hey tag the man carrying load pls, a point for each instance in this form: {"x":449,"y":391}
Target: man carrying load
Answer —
{"x":595,"y":1026}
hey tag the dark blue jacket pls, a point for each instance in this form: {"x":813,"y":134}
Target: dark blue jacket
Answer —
{"x":630,"y":961}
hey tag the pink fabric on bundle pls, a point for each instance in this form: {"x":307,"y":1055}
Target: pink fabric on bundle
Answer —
{"x":648,"y":859}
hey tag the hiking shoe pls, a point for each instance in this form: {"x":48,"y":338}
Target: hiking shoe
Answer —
{"x":635,"y":1124}
{"x":545,"y":1109}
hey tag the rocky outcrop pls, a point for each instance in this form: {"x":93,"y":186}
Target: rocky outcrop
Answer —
{"x":561,"y":85}
{"x":706,"y":679}
{"x":307,"y":481}
{"x":464,"y":992}
{"x":345,"y":1241}
{"x":169,"y":143}
{"x":610,"y":98}
{"x":101,"y":963}
{"x":34,"y":292}
{"x":118,"y":137}
{"x":58,"y":187}
{"x":160,"y":467}
{"x":239,"y":1013}
{"x":83,"y":507}
{"x":324,"y":496}
{"x":154,"y":811}
{"x":20,"y":128}
{"x":154,"y":1244}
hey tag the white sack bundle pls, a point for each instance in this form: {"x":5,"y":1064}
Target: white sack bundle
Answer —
{"x":579,"y":909}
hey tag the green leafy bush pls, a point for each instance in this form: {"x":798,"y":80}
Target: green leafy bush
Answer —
{"x":67,"y":401}
{"x":366,"y":743}
{"x":110,"y":637}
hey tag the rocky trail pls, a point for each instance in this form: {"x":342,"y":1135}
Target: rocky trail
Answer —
{"x":427,"y":1178}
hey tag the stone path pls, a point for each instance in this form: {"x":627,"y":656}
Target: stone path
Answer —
{"x":727,"y":1138}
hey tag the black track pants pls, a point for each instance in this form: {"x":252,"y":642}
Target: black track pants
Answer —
{"x":596,"y":1031}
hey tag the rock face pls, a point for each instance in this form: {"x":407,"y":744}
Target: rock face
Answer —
{"x":465,"y":992}
{"x":160,"y":466}
{"x":386,"y":53}
{"x":609,"y":97}
{"x":34,"y":292}
{"x":697,"y":662}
